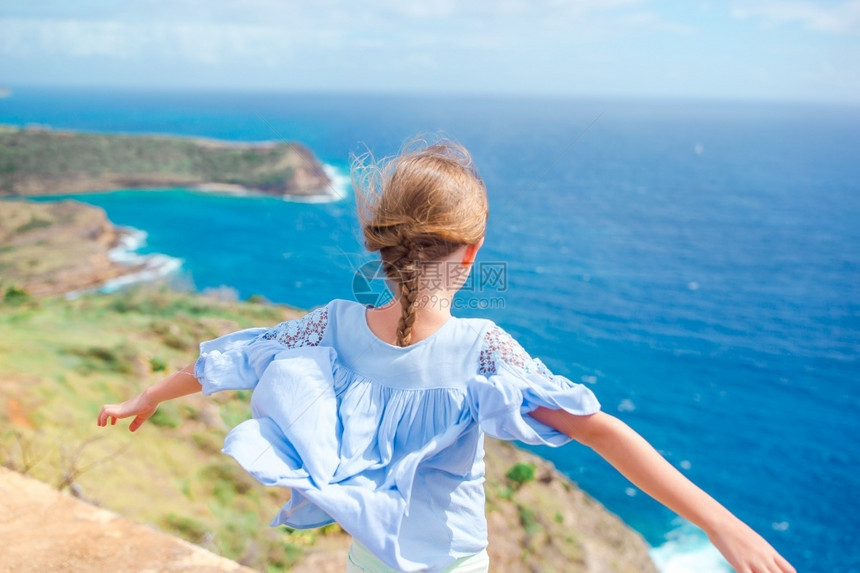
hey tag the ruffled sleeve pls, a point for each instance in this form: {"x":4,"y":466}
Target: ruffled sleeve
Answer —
{"x":510,"y":384}
{"x":236,"y":361}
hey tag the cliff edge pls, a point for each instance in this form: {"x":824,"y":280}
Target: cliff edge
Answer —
{"x":45,"y":530}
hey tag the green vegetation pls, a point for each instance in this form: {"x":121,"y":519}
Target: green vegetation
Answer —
{"x":40,"y":161}
{"x":528,"y":519}
{"x":15,"y":296}
{"x":60,"y":360}
{"x":535,"y":505}
{"x":521,"y":474}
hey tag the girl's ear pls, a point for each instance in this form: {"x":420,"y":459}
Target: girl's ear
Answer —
{"x":472,"y":252}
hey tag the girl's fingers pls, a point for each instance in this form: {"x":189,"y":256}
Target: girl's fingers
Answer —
{"x":109,"y":415}
{"x":784,"y":565}
{"x":136,"y":423}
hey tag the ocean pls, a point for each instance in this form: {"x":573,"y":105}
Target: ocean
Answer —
{"x":695,"y":263}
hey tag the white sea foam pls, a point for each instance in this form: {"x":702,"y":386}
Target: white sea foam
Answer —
{"x":131,"y":240}
{"x":155,"y":267}
{"x":337,"y":190}
{"x":152,"y":266}
{"x":688,"y":550}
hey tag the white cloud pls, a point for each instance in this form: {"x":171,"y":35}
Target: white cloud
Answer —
{"x":840,"y":18}
{"x":213,"y":32}
{"x":193,"y":42}
{"x":69,"y":37}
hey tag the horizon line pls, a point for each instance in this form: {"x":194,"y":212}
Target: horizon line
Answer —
{"x":435,"y":94}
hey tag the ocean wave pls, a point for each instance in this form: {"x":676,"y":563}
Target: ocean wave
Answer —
{"x":687,"y":549}
{"x":338,"y":189}
{"x":130,"y":240}
{"x":152,"y":266}
{"x":157,"y":266}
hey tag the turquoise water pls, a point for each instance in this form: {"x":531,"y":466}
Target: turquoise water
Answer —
{"x":695,"y":263}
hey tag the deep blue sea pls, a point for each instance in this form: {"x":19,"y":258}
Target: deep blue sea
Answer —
{"x":697,"y":264}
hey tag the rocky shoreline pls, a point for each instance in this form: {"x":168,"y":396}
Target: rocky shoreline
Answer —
{"x":63,"y":247}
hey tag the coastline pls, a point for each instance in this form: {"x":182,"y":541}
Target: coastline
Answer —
{"x":144,"y":268}
{"x":115,"y":262}
{"x":336,"y":190}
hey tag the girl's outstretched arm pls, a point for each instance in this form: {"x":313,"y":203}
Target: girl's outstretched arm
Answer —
{"x":144,"y":404}
{"x":639,"y":462}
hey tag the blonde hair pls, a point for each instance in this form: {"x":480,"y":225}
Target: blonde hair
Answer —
{"x":416,"y":208}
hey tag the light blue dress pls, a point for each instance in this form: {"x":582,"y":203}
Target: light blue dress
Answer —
{"x":384,"y":440}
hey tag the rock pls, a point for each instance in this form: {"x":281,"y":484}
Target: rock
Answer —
{"x":45,"y":530}
{"x":549,"y":524}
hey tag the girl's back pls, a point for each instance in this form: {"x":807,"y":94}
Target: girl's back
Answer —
{"x":386,"y":440}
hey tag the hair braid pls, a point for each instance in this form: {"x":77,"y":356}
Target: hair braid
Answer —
{"x":409,"y":275}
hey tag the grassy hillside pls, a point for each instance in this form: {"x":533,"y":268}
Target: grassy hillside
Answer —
{"x":40,"y":161}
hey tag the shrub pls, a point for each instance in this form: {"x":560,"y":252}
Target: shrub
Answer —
{"x":528,"y":519}
{"x":186,"y":527}
{"x":520,"y":474}
{"x":15,"y":296}
{"x":156,"y":364}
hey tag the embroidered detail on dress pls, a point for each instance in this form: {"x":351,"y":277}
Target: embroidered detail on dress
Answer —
{"x":305,"y":331}
{"x":499,"y":346}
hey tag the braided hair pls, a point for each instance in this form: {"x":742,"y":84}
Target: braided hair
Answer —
{"x":416,"y":209}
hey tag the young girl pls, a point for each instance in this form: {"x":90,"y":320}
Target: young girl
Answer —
{"x":375,"y":417}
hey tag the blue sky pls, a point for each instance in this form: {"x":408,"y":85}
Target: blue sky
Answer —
{"x":742,"y":49}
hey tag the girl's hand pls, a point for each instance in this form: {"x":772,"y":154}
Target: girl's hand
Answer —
{"x":746,"y":550}
{"x":142,"y":407}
